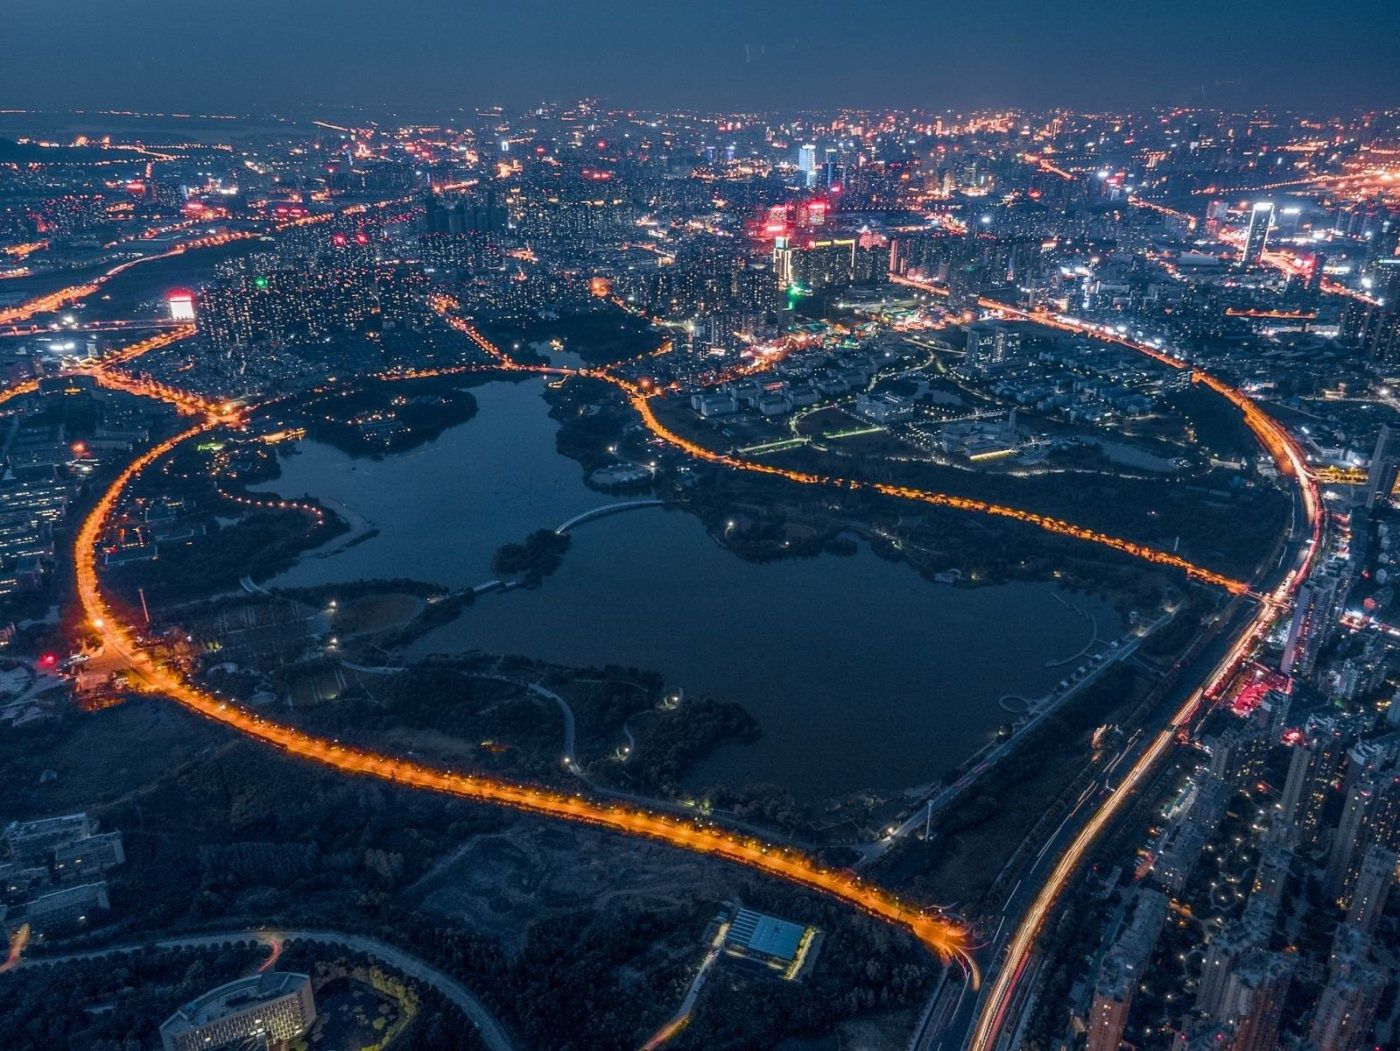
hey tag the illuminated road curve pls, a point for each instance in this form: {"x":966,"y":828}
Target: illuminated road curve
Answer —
{"x":1289,"y":458}
{"x":98,"y":369}
{"x":945,"y":937}
{"x":63,"y":297}
{"x":641,"y":403}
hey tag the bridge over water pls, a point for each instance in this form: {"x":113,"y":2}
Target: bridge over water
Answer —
{"x":606,"y":509}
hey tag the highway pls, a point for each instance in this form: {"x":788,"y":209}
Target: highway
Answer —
{"x":1003,"y":987}
{"x":63,"y":297}
{"x":945,"y":796}
{"x":1047,"y":867}
{"x":100,"y":369}
{"x":71,"y":294}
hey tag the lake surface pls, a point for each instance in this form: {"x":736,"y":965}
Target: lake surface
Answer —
{"x":861,"y":673}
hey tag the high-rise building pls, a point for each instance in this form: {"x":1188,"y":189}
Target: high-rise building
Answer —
{"x":1312,"y":769}
{"x":1253,"y":1000}
{"x":1122,"y":969}
{"x":1290,"y":800}
{"x":822,"y":265}
{"x":831,"y":170}
{"x":1217,"y":212}
{"x":807,"y":164}
{"x":1256,"y":235}
{"x":1385,"y":464}
{"x":1346,"y":1010}
{"x":181,"y":304}
{"x":1113,"y":999}
{"x":1223,"y":954}
{"x":1238,"y":754}
{"x":1372,"y":887}
{"x":1351,"y":831}
{"x":1313,"y":617}
{"x":1315,"y":274}
{"x":1271,"y":874}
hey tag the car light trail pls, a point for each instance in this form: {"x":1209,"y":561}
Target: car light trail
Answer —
{"x":945,"y":937}
{"x":19,"y":941}
{"x":1290,"y":461}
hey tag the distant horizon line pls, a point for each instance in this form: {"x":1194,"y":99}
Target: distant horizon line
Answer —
{"x":612,"y":107}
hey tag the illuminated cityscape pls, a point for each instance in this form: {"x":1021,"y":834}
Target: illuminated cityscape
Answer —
{"x":806,"y":544}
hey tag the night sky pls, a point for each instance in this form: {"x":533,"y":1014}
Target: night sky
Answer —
{"x":437,"y":55}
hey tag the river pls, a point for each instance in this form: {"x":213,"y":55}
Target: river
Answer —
{"x":861,"y":673}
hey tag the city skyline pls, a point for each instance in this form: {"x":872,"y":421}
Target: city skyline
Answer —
{"x":634,"y":567}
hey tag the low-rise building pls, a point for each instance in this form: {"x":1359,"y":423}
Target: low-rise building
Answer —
{"x":777,"y":944}
{"x":273,"y":1008}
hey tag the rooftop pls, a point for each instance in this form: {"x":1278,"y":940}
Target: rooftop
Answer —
{"x":233,"y":998}
{"x":763,"y":935}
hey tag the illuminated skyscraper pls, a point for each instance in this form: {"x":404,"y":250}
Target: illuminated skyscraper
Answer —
{"x":1312,"y":770}
{"x":1346,"y":1010}
{"x":181,"y":304}
{"x":1254,"y":998}
{"x":1113,"y":998}
{"x":807,"y":164}
{"x":831,"y":170}
{"x":1319,"y":268}
{"x":1351,"y":830}
{"x":1261,"y":217}
{"x":1223,"y":954}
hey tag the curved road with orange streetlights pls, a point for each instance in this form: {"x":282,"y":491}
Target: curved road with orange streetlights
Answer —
{"x":99,"y":369}
{"x":640,"y":398}
{"x":62,"y":297}
{"x":944,"y":936}
{"x":1000,"y":994}
{"x":949,"y":939}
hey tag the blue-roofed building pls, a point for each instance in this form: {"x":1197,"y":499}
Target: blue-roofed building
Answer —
{"x":767,"y":940}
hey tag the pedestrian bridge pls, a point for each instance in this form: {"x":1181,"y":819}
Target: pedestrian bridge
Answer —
{"x":606,"y":509}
